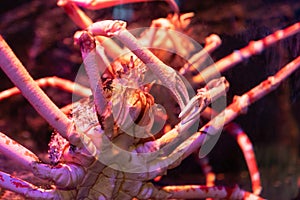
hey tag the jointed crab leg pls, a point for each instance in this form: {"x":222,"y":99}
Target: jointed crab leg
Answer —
{"x":92,"y":61}
{"x":246,"y":146}
{"x":212,"y":127}
{"x":196,"y":61}
{"x":99,"y":4}
{"x":63,"y":175}
{"x":166,"y":74}
{"x":239,"y":106}
{"x":159,"y":32}
{"x":232,"y":111}
{"x":219,"y":192}
{"x":254,"y":47}
{"x":54,"y":81}
{"x":249,"y":155}
{"x":17,"y":73}
{"x":190,"y":114}
{"x":77,"y":15}
{"x":22,"y":187}
{"x":14,"y":150}
{"x":163,"y":34}
{"x":31,"y":191}
{"x":83,"y":21}
{"x":212,"y":91}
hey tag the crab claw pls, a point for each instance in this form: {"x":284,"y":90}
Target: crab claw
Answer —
{"x":165,"y":74}
{"x":213,"y":90}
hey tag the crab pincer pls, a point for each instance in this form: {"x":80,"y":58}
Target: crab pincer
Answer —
{"x":167,"y":75}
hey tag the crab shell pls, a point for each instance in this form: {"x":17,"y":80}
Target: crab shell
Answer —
{"x":102,"y":180}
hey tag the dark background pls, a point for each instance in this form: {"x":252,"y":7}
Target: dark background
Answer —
{"x":40,"y":34}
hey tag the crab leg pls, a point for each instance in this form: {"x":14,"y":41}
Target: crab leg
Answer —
{"x":31,"y":191}
{"x":163,"y":34}
{"x":195,"y":141}
{"x":166,"y":74}
{"x":92,"y":62}
{"x":12,"y":149}
{"x":54,"y":81}
{"x":76,"y":14}
{"x":190,"y":115}
{"x":254,"y":47}
{"x":83,"y":21}
{"x":207,"y":170}
{"x":99,"y":4}
{"x":212,"y":91}
{"x":219,"y":192}
{"x":27,"y":189}
{"x":239,"y":106}
{"x":63,"y":175}
{"x":246,"y":146}
{"x":60,"y":83}
{"x":150,"y":38}
{"x":197,"y":60}
{"x":17,"y":73}
{"x":165,"y":27}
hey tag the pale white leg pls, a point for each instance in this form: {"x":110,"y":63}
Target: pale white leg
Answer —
{"x":17,"y":73}
{"x":63,"y":175}
{"x":26,"y":189}
{"x":94,"y":65}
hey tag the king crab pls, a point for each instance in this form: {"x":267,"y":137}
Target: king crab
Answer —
{"x":78,"y":144}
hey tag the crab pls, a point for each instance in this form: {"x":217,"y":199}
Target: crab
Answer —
{"x":106,"y":145}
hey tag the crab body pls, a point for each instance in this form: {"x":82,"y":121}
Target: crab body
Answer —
{"x":132,"y":106}
{"x":99,"y":180}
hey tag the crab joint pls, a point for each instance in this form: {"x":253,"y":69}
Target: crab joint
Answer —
{"x":212,"y":91}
